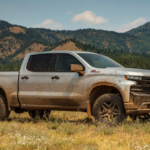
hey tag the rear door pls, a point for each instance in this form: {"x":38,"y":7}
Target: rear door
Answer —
{"x":34,"y":80}
{"x":67,"y":88}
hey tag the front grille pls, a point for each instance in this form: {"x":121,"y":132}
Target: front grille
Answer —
{"x":145,"y":80}
{"x":142,"y":87}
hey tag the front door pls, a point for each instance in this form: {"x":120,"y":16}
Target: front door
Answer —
{"x":67,"y":88}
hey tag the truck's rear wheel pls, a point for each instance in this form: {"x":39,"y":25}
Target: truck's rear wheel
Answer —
{"x":109,"y":107}
{"x":4,"y":112}
{"x":41,"y":114}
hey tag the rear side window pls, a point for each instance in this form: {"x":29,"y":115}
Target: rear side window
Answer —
{"x":42,"y":63}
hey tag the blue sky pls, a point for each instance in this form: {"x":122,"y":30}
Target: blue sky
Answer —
{"x":114,"y":15}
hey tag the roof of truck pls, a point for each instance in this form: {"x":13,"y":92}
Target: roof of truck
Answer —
{"x":59,"y":51}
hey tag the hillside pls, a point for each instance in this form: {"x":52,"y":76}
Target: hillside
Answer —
{"x":67,"y":46}
{"x":32,"y":48}
{"x":129,"y":60}
{"x":16,"y":41}
{"x":142,"y":32}
{"x":98,"y":38}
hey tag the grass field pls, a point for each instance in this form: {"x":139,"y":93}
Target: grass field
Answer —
{"x":72,"y":130}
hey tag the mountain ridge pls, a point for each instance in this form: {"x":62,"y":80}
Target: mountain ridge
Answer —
{"x":16,"y":40}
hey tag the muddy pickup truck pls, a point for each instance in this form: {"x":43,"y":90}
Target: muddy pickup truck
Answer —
{"x":74,"y":81}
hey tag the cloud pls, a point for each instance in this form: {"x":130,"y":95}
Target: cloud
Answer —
{"x":131,"y":25}
{"x":69,"y":12}
{"x":49,"y":24}
{"x":89,"y":17}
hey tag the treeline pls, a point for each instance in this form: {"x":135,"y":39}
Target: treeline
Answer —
{"x":10,"y":67}
{"x":99,"y":38}
{"x":94,"y":37}
{"x":129,"y":60}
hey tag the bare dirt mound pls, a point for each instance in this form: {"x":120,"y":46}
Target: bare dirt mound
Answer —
{"x":68,"y":46}
{"x":17,"y":30}
{"x":32,"y":48}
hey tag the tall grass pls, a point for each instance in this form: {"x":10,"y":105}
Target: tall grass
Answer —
{"x":72,"y":130}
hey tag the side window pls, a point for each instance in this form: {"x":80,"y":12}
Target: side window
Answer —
{"x":42,"y":63}
{"x":64,"y":61}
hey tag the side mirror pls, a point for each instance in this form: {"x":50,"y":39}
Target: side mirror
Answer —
{"x":77,"y":68}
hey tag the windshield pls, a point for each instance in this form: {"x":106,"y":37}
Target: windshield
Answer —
{"x":99,"y":61}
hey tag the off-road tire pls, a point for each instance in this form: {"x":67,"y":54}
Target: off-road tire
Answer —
{"x":39,"y":114}
{"x":117,"y":112}
{"x":4,"y":112}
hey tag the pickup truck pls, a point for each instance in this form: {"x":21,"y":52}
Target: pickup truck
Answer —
{"x":74,"y":81}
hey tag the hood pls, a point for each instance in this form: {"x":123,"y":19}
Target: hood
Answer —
{"x":132,"y":71}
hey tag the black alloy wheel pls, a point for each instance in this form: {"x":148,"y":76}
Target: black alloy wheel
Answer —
{"x":109,"y":107}
{"x":109,"y":110}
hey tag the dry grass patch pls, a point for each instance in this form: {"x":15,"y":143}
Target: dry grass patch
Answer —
{"x":10,"y":44}
{"x":68,"y":46}
{"x":32,"y":48}
{"x":17,"y":30}
{"x":72,"y":130}
{"x":129,"y":46}
{"x":105,"y":44}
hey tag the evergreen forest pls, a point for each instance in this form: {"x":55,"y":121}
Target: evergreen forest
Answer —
{"x":128,"y":60}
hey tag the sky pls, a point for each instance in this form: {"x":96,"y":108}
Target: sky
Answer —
{"x":111,"y":15}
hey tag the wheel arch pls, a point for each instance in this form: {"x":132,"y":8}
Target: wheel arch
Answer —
{"x":2,"y":92}
{"x":104,"y":87}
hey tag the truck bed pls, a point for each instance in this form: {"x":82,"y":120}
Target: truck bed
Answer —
{"x":9,"y":83}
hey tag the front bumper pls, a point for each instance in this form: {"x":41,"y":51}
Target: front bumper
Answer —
{"x":138,"y":104}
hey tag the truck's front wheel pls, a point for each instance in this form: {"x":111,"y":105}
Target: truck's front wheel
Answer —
{"x":39,"y":114}
{"x":109,"y":107}
{"x":4,"y":112}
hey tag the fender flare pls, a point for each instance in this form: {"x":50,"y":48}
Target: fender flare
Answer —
{"x":8,"y":103}
{"x":101,"y":84}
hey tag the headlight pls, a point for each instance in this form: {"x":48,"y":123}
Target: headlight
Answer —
{"x":133,"y":78}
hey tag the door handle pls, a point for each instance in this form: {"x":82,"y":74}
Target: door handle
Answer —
{"x":25,"y":77}
{"x":55,"y":77}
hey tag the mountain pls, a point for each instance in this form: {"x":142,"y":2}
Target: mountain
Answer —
{"x":16,"y":41}
{"x":4,"y":25}
{"x":143,"y":33}
{"x":98,"y":38}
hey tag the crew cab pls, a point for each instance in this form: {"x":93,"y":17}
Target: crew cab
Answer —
{"x":74,"y":81}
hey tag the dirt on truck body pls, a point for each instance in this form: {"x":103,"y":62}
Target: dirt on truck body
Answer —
{"x":75,"y":81}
